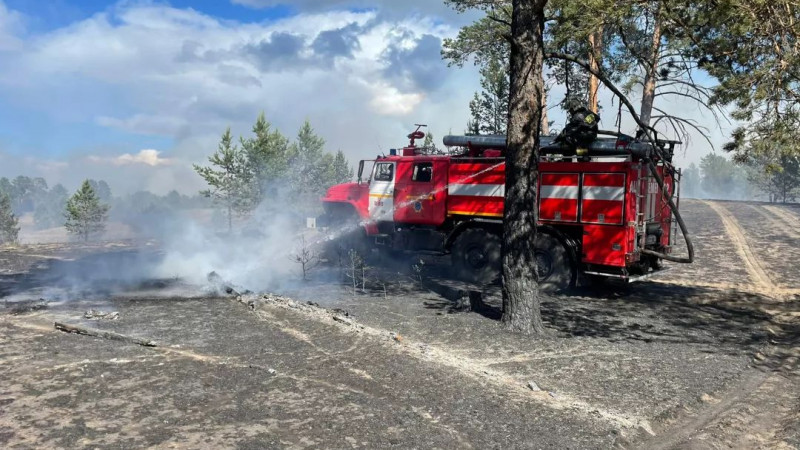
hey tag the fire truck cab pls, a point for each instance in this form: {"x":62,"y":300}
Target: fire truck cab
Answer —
{"x":598,"y":208}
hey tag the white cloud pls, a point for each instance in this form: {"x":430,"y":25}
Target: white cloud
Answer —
{"x":148,"y":157}
{"x":156,"y":125}
{"x":362,"y":78}
{"x":11,"y":26}
{"x":388,"y":100}
{"x":160,"y":71}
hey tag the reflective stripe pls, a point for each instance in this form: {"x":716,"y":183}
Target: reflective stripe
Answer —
{"x":611,"y":193}
{"x":478,"y":190}
{"x":475,"y":213}
{"x":565,"y":192}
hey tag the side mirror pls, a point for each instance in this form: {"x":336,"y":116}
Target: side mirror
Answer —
{"x":360,"y":170}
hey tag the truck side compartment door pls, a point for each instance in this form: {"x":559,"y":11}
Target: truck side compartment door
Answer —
{"x":420,"y":192}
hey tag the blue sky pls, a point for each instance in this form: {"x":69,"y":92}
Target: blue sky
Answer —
{"x":53,"y":14}
{"x":135,"y":91}
{"x":19,"y":122}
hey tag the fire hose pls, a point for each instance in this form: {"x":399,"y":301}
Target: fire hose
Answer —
{"x":681,"y":224}
{"x":670,"y":202}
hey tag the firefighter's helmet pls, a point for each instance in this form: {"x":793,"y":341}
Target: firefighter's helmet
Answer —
{"x":581,"y":129}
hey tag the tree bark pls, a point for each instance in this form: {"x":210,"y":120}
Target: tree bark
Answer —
{"x":651,"y":75}
{"x":521,"y":304}
{"x":545,"y":119}
{"x":595,"y":50}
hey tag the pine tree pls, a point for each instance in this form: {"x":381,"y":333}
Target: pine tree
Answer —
{"x":312,"y":170}
{"x":490,"y":109}
{"x":751,"y":48}
{"x":475,"y":120}
{"x":9,"y":225}
{"x":473,"y":127}
{"x":49,"y":211}
{"x":429,"y":144}
{"x":229,"y":179}
{"x":722,"y":179}
{"x":521,"y":301}
{"x":308,"y":167}
{"x":769,"y":149}
{"x":690,"y":181}
{"x":646,"y":47}
{"x":268,"y":154}
{"x":102,"y":190}
{"x":778,"y":177}
{"x":85,"y":213}
{"x":342,"y":172}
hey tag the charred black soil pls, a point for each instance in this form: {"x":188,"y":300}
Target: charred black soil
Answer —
{"x":705,"y":356}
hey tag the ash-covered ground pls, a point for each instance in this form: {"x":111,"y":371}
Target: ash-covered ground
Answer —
{"x":703,"y":356}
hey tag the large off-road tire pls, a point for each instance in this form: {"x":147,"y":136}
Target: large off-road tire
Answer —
{"x":476,"y":256}
{"x":555,"y":268}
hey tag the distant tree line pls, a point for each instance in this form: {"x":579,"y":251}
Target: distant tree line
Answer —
{"x":9,"y":225}
{"x":775,"y":179}
{"x":267,"y":170}
{"x":86,"y":211}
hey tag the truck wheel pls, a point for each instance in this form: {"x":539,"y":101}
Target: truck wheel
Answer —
{"x":476,"y":256}
{"x":356,"y":240}
{"x":553,"y":264}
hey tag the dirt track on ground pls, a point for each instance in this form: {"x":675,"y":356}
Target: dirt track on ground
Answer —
{"x":704,"y":356}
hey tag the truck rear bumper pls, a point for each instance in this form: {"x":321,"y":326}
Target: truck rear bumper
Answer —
{"x":627,"y":277}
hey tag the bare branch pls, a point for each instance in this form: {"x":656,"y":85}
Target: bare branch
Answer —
{"x":499,"y":20}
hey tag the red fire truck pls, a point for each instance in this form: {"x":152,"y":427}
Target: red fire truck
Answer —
{"x":602,"y":211}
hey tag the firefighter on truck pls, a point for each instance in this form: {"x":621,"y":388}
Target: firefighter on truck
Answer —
{"x":607,"y":205}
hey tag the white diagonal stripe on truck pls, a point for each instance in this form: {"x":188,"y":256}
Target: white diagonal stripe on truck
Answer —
{"x":478,"y":190}
{"x":563,"y":192}
{"x":611,"y":193}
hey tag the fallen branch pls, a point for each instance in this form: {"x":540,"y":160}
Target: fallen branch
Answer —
{"x":103,"y":334}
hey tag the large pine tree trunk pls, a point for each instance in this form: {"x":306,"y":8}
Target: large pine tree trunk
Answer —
{"x":545,"y":119}
{"x":521,"y":305}
{"x":651,"y":75}
{"x":595,"y":50}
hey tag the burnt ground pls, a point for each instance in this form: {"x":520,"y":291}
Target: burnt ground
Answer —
{"x":704,"y":356}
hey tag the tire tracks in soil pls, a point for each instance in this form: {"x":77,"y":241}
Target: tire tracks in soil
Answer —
{"x":480,"y":370}
{"x":786,"y":217}
{"x":683,"y":430}
{"x":750,"y":415}
{"x":750,"y":412}
{"x":753,"y":264}
{"x":775,"y":218}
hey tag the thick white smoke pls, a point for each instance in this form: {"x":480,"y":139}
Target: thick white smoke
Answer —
{"x":258,"y":255}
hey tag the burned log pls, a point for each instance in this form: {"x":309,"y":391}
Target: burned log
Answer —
{"x":77,"y":329}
